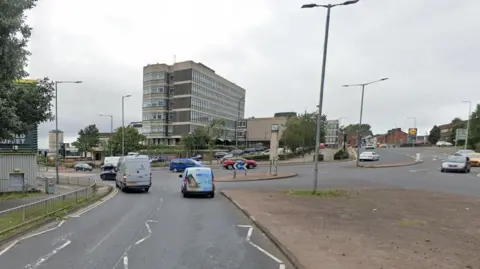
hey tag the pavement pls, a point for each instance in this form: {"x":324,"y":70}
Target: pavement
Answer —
{"x":161,"y":229}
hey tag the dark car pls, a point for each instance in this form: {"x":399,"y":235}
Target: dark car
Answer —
{"x":109,"y":172}
{"x":197,"y":157}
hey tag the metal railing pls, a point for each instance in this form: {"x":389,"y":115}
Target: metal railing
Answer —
{"x":16,"y":217}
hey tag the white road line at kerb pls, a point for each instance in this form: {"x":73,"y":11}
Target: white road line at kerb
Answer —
{"x":94,"y":205}
{"x":8,"y":247}
{"x":43,"y":259}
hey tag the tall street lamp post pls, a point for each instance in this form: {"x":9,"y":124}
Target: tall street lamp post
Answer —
{"x":322,"y":83}
{"x":123,"y":122}
{"x":238,"y":120}
{"x":361,"y":113}
{"x":56,"y":124}
{"x":111,"y":129}
{"x":468,"y":121}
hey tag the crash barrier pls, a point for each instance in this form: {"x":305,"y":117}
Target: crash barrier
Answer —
{"x":16,"y":217}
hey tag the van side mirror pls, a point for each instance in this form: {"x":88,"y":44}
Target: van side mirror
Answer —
{"x":180,"y":176}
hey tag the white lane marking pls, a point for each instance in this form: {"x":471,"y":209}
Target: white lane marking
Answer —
{"x":249,"y":236}
{"x":100,"y":242}
{"x":154,"y":221}
{"x":43,"y":259}
{"x":94,"y":205}
{"x":146,"y":237}
{"x":42,"y":232}
{"x":125,"y":262}
{"x":418,"y":170}
{"x":478,"y":175}
{"x":9,"y":247}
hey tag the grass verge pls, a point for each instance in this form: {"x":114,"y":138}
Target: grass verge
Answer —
{"x":19,"y":195}
{"x":320,"y":193}
{"x":56,"y":211}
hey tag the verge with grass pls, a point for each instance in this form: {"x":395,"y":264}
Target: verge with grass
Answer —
{"x":319,"y":193}
{"x":19,"y":195}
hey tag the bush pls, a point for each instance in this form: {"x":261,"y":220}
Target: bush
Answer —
{"x":281,"y":157}
{"x":341,"y":155}
{"x":320,"y":158}
{"x":165,"y":164}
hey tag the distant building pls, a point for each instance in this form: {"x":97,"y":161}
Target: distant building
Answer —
{"x":446,"y":131}
{"x":284,"y":114}
{"x":137,"y":125}
{"x":258,"y":130}
{"x":393,"y":137}
{"x":52,"y":147}
{"x":331,"y":133}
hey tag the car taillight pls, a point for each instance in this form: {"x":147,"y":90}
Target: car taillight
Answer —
{"x":124,"y":178}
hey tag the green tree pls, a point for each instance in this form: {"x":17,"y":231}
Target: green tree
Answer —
{"x":434,"y":135}
{"x":88,"y":138}
{"x":301,"y":130}
{"x":196,"y":140}
{"x":22,"y":106}
{"x":474,"y":130}
{"x":214,"y":130}
{"x":353,"y":128}
{"x":133,"y":140}
{"x":458,"y":124}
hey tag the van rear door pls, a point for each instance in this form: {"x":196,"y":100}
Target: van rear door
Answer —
{"x":137,"y":172}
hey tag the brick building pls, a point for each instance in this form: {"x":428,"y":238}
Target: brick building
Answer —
{"x":393,"y":137}
{"x":352,"y":137}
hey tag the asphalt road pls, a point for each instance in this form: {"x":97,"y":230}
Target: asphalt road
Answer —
{"x":178,"y":233}
{"x":389,"y":156}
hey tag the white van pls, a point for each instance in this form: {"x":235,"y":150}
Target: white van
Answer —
{"x":134,"y":172}
{"x":111,"y":160}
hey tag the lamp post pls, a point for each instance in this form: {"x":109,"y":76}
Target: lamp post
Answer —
{"x":111,"y":129}
{"x":468,"y":121}
{"x":56,"y":124}
{"x":361,"y":112}
{"x":237,"y":121}
{"x":414,"y":126}
{"x":322,"y":83}
{"x":123,"y":122}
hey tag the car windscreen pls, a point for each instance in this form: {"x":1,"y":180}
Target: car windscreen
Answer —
{"x":456,"y":159}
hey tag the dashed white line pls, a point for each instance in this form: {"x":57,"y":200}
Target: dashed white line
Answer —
{"x":125,"y":262}
{"x":271,"y":256}
{"x":146,"y":237}
{"x":43,"y":259}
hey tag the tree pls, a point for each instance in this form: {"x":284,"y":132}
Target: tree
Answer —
{"x":196,"y":140}
{"x":434,"y":135}
{"x":474,"y":130}
{"x":301,"y":131}
{"x":88,"y":138}
{"x":214,"y":130}
{"x":133,"y":140}
{"x":458,"y":124}
{"x":353,"y":128}
{"x":22,"y":106}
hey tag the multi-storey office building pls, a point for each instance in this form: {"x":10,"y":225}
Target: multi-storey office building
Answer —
{"x":180,"y":97}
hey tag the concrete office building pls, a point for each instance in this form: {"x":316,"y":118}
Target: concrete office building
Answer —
{"x":180,"y":97}
{"x":51,"y":141}
{"x":331,"y":134}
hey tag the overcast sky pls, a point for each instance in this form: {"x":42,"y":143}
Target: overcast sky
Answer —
{"x":428,"y":49}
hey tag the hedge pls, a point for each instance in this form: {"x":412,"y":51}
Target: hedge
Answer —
{"x":281,"y":157}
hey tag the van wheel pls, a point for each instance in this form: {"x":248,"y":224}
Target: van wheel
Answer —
{"x":249,"y":166}
{"x":147,"y":189}
{"x":185,"y":195}
{"x":102,"y":177}
{"x":212,"y":194}
{"x":230,"y":167}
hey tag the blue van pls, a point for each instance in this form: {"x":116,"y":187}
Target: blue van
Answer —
{"x":179,"y":165}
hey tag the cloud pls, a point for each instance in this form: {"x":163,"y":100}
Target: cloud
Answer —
{"x":271,"y":48}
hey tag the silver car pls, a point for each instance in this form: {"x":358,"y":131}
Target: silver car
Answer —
{"x":457,"y":164}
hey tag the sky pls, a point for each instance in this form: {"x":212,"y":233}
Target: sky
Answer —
{"x":272,"y":48}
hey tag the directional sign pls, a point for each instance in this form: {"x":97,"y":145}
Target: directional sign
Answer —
{"x":461,"y":134}
{"x":240,"y":166}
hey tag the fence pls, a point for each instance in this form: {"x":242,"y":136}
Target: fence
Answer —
{"x":26,"y":214}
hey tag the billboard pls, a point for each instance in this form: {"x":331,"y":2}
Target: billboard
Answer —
{"x":412,"y":135}
{"x":461,"y":134}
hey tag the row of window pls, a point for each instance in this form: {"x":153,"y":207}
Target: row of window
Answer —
{"x":227,"y":104}
{"x":155,"y":103}
{"x":157,"y":116}
{"x":154,"y":76}
{"x":155,"y":89}
{"x":212,"y":108}
{"x":156,"y":129}
{"x":205,"y":118}
{"x":207,"y":81}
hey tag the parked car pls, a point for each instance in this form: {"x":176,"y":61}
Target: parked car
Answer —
{"x":226,"y":157}
{"x":219,"y":155}
{"x":157,"y":159}
{"x":464,"y":152}
{"x":109,"y":172}
{"x":369,"y":156}
{"x":82,"y":167}
{"x":456,"y":163}
{"x":230,"y":163}
{"x":197,"y":157}
{"x":179,"y":165}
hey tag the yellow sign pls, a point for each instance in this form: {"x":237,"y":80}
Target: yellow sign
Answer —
{"x":26,"y":81}
{"x":412,"y":131}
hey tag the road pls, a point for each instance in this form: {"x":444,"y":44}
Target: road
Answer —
{"x":159,"y":229}
{"x":389,"y":156}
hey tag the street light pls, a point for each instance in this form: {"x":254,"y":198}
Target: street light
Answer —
{"x":414,"y":126}
{"x":468,"y":121}
{"x":238,"y":120}
{"x":322,"y":83}
{"x":56,"y":123}
{"x":361,"y":111}
{"x":111,"y":129}
{"x":123,"y":122}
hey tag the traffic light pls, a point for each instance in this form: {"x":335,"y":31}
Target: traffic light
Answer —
{"x":63,"y":151}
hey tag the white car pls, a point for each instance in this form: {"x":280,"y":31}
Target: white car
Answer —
{"x":370,"y":146}
{"x":369,"y":156}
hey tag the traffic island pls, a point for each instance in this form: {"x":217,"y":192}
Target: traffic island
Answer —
{"x":391,"y":165}
{"x":254,"y":177}
{"x":367,"y":228}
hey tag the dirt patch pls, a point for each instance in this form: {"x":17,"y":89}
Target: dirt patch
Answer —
{"x":254,"y":176}
{"x":371,"y":228}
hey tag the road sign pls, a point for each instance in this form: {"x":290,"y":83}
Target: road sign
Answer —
{"x":412,"y":135}
{"x":461,"y":134}
{"x":240,"y":166}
